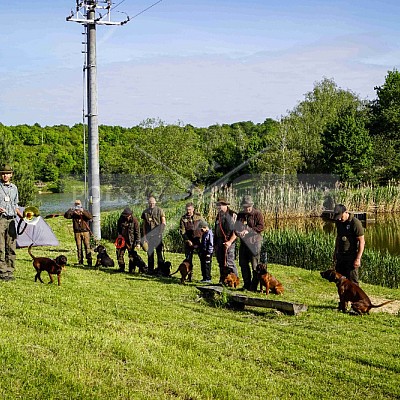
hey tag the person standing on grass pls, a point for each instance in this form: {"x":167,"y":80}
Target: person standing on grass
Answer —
{"x":249,"y":227}
{"x":128,"y":228}
{"x":154,"y":222}
{"x":190,"y":231}
{"x":224,"y":239}
{"x":349,"y":244}
{"x":206,"y":250}
{"x":8,"y":233}
{"x":80,"y":223}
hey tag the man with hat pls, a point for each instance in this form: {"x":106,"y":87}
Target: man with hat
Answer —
{"x":8,"y":234}
{"x":224,"y":239}
{"x":80,"y":224}
{"x":128,"y":228}
{"x":190,"y":231}
{"x":249,"y":227}
{"x":349,"y":244}
{"x":154,"y":222}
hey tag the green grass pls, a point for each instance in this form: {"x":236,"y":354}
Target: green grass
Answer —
{"x":104,"y":335}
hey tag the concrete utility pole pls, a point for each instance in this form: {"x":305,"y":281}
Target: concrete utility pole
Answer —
{"x":88,"y":13}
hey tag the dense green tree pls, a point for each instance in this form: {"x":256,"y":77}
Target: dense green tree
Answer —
{"x":347,"y":148}
{"x":307,"y":122}
{"x":385,"y":127}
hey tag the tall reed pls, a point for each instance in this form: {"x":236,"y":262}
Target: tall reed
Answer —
{"x":287,"y":199}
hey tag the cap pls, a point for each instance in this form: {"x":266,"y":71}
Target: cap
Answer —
{"x":247,"y":201}
{"x":202,"y":224}
{"x":6,"y":168}
{"x":338,"y":211}
{"x":127,"y":211}
{"x":222,"y":201}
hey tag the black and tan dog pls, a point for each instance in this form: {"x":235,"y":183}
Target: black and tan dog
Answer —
{"x":136,"y":261}
{"x":103,"y":259}
{"x":52,"y":267}
{"x":270,"y":282}
{"x":350,"y":292}
{"x":231,"y":280}
{"x":186,"y":270}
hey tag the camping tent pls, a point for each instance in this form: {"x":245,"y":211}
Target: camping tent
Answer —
{"x":38,"y":233}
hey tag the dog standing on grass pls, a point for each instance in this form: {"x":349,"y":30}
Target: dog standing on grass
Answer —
{"x":186,"y":270}
{"x":52,"y":267}
{"x":270,"y":282}
{"x":350,"y":292}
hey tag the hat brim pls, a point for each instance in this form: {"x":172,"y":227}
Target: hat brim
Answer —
{"x":247,"y":204}
{"x":6,"y":172}
{"x":336,"y":217}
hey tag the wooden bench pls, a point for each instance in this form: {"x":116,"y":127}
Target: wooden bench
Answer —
{"x":242,"y":300}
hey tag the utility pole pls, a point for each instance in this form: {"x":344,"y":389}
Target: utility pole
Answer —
{"x":89,"y":14}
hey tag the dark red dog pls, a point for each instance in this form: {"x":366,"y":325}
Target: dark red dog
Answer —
{"x":232,"y":280}
{"x":52,"y":267}
{"x":350,"y":292}
{"x":186,"y":270}
{"x":270,"y":282}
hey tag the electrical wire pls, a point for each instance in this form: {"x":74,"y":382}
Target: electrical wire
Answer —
{"x":146,"y":9}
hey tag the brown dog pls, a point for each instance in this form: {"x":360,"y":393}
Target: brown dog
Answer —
{"x":270,"y":282}
{"x":231,"y":280}
{"x":49,"y":265}
{"x":186,"y":270}
{"x":350,"y":292}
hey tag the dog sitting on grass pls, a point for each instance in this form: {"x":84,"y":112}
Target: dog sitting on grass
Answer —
{"x":270,"y":282}
{"x":231,"y":280}
{"x":350,"y":292}
{"x":103,"y":259}
{"x":52,"y":267}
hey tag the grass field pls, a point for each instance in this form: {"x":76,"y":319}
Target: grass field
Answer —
{"x":106,"y":335}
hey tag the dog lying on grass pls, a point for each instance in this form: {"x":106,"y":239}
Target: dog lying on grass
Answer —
{"x":270,"y":282}
{"x":103,"y":259}
{"x":186,"y":270}
{"x":52,"y":267}
{"x":350,"y":292}
{"x":231,"y":280}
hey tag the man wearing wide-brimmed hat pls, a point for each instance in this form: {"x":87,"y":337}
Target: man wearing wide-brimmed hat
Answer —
{"x":349,"y":244}
{"x":249,"y":226}
{"x":8,"y":234}
{"x":224,"y":239}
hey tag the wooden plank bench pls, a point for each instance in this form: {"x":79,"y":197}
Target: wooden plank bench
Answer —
{"x":242,"y":300}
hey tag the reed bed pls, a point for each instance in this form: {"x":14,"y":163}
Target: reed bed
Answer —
{"x":313,"y":251}
{"x":289,"y":200}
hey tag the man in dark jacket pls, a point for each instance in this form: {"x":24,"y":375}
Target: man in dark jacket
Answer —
{"x":350,"y":243}
{"x":80,"y":223}
{"x":190,"y":231}
{"x":224,"y":239}
{"x":128,"y":229}
{"x":154,"y":222}
{"x":249,"y":226}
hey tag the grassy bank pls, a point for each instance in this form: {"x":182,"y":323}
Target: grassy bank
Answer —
{"x":104,"y":335}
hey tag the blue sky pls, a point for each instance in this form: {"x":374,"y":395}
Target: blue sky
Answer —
{"x":197,"y":62}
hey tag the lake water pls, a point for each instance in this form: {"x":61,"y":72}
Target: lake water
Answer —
{"x":382,"y":230}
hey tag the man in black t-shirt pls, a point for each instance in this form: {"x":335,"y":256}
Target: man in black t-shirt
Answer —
{"x":350,"y":243}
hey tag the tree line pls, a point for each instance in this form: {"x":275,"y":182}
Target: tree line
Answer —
{"x":331,"y":131}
